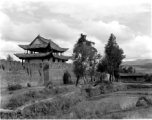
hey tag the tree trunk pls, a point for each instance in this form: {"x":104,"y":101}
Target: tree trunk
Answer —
{"x":85,"y":79}
{"x":77,"y":81}
{"x":110,"y":77}
{"x":112,"y":73}
{"x":91,"y":78}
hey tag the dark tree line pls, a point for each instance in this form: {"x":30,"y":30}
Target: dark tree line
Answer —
{"x":129,"y":69}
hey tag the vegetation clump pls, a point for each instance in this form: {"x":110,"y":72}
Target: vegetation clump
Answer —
{"x":56,"y":108}
{"x":148,"y":78}
{"x":28,"y":85}
{"x":91,"y":91}
{"x":14,"y":87}
{"x":54,"y":90}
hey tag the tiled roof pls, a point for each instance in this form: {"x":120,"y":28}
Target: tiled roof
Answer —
{"x":38,"y":55}
{"x":56,"y":47}
{"x":52,"y":44}
{"x":41,"y":55}
{"x":36,"y":46}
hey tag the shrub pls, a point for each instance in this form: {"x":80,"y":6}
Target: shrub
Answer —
{"x":144,"y":101}
{"x":28,"y":85}
{"x":14,"y":87}
{"x":86,"y":90}
{"x":49,"y":84}
{"x":102,"y":88}
{"x":106,"y":87}
{"x":31,"y":94}
{"x":15,"y":102}
{"x":148,"y":78}
{"x":55,"y":90}
{"x":20,"y":100}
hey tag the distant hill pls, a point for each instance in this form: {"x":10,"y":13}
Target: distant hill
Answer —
{"x":139,"y":62}
{"x":141,"y":65}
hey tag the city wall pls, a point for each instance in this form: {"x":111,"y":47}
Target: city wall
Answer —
{"x":16,"y":73}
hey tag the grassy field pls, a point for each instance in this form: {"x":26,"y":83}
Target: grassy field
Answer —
{"x":69,"y":102}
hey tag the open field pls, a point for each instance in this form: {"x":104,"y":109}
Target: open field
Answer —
{"x":119,"y":104}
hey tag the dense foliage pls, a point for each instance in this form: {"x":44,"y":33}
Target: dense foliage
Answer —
{"x":113,"y":58}
{"x":84,"y":57}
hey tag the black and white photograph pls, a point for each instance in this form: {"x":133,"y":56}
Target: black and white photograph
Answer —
{"x":75,"y":59}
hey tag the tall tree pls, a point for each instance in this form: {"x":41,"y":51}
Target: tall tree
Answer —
{"x":9,"y":58}
{"x":84,"y":55}
{"x":114,"y":56}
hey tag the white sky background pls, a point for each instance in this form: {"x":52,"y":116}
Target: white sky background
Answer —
{"x":64,"y":20}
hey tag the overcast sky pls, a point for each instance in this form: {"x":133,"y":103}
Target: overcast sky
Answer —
{"x":64,"y":20}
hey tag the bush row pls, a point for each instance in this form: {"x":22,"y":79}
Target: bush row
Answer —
{"x":103,"y":88}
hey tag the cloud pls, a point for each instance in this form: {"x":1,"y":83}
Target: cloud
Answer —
{"x":140,"y":47}
{"x":49,"y":28}
{"x":63,"y":21}
{"x":9,"y":47}
{"x":103,"y":30}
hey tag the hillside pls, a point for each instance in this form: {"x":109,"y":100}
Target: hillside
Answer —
{"x":140,"y":62}
{"x":141,"y":65}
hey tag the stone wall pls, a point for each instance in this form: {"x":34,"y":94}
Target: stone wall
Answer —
{"x":14,"y":72}
{"x":57,"y":70}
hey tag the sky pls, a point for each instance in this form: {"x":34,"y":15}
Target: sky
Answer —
{"x":63,"y":21}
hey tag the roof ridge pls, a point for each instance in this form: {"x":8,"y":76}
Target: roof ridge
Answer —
{"x":47,"y":39}
{"x":44,"y":38}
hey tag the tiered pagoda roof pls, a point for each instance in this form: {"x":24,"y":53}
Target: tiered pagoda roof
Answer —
{"x":46,"y":48}
{"x":41,"y":55}
{"x":45,"y":43}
